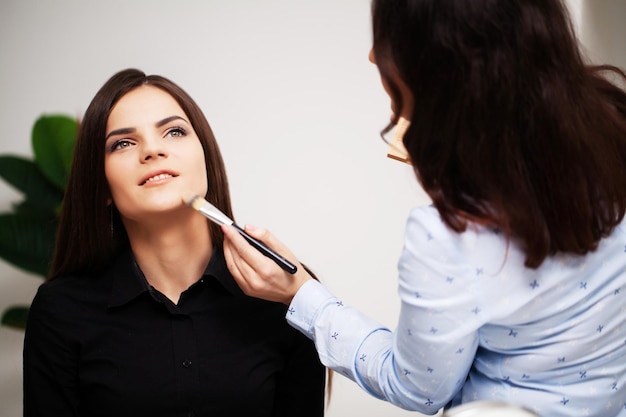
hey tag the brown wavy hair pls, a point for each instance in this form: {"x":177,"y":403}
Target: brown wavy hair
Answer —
{"x":510,"y":126}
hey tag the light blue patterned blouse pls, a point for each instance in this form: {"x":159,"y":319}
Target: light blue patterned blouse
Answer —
{"x":476,"y":324}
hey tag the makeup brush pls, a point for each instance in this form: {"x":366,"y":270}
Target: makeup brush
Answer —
{"x":212,"y":213}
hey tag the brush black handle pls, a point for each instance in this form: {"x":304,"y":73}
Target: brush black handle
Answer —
{"x":282,"y":262}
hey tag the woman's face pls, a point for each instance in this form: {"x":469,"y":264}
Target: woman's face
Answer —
{"x":405,"y":92}
{"x":153,"y":156}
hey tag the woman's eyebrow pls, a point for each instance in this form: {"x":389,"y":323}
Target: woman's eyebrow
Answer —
{"x":123,"y":131}
{"x":169,"y":119}
{"x":127,"y":130}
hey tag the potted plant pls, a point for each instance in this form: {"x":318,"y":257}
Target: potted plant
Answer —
{"x":27,"y":232}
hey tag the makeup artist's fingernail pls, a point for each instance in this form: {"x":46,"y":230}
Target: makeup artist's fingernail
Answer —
{"x":250,"y":227}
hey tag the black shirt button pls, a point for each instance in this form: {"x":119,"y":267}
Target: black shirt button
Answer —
{"x":187,"y":363}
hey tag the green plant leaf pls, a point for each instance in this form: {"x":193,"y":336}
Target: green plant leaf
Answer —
{"x":53,"y":140}
{"x":27,"y":235}
{"x":25,"y":176}
{"x":15,"y":316}
{"x":31,"y":208}
{"x":27,"y":242}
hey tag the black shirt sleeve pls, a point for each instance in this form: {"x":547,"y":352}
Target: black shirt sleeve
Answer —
{"x":300,"y":391}
{"x":50,"y":374}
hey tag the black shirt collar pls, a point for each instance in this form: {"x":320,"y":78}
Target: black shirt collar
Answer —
{"x":128,"y":282}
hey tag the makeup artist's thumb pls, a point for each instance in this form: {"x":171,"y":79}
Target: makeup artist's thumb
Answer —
{"x":266,"y":237}
{"x":258,"y":233}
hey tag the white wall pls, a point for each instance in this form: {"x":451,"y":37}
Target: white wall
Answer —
{"x":295,"y":105}
{"x":603,"y":30}
{"x":293,"y":101}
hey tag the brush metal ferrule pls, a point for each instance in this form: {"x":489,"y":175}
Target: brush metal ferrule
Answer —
{"x":210,"y":211}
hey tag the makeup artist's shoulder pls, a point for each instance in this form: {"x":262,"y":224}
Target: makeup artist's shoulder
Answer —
{"x":425,"y":225}
{"x":424,"y":215}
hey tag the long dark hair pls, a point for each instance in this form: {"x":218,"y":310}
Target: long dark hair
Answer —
{"x":90,"y":231}
{"x":510,"y":127}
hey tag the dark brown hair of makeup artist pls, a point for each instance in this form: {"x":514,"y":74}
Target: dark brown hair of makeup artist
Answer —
{"x":510,"y":127}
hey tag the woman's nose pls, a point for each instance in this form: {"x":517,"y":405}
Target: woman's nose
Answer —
{"x":152,"y":150}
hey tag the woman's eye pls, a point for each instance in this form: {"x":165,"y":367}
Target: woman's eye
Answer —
{"x":176,"y":132}
{"x":120,"y":144}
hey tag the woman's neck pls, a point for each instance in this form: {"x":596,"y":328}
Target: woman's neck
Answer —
{"x":171,"y":255}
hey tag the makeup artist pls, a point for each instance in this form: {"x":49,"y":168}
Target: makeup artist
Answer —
{"x":139,"y":315}
{"x":513,"y":283}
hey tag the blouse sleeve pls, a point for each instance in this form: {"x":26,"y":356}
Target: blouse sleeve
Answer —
{"x":424,"y":363}
{"x":50,"y":369}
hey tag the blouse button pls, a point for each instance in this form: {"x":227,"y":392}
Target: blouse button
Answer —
{"x":187,"y":363}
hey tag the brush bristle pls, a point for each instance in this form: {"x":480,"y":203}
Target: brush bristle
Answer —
{"x":194,"y":200}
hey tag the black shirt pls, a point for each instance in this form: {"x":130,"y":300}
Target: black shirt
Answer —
{"x":112,"y":345}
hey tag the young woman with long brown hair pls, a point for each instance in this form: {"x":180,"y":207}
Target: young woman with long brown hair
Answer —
{"x":139,"y":315}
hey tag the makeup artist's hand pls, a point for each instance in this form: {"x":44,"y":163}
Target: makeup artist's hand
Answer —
{"x":256,"y":274}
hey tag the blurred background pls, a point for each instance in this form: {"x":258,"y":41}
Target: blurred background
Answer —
{"x":294,"y":103}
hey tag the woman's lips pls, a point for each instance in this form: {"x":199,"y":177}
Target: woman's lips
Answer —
{"x":158,"y":177}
